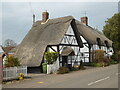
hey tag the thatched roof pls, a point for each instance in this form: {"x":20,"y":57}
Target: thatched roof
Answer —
{"x":31,"y":50}
{"x":102,"y":37}
{"x":91,"y":34}
{"x":67,"y":51}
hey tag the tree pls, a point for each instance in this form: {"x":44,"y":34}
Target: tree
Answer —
{"x":51,"y":57}
{"x":12,"y":61}
{"x":9,"y":42}
{"x":112,"y":30}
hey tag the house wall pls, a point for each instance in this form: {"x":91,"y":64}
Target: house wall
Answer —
{"x":85,"y":50}
{"x":70,"y":40}
{"x":51,"y":50}
{"x":80,"y":53}
{"x":96,"y":47}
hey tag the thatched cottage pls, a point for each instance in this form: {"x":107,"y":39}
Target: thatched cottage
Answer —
{"x":72,"y":39}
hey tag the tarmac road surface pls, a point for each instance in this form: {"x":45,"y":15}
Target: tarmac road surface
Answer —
{"x":102,"y":77}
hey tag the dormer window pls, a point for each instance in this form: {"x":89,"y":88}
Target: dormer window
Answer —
{"x":99,"y":43}
{"x":106,"y":44}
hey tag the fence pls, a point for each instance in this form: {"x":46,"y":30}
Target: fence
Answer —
{"x":13,"y":72}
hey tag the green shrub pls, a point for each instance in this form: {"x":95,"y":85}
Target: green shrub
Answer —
{"x":81,"y":64}
{"x":63,"y":70}
{"x":113,"y":62}
{"x":12,"y":61}
{"x":98,"y":56}
{"x":98,"y":64}
{"x":118,"y":55}
{"x":114,"y":57}
{"x":51,"y":57}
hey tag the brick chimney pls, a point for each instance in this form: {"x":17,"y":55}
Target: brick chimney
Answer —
{"x":45,"y":16}
{"x":84,"y":20}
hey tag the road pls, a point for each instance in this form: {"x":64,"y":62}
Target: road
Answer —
{"x":103,"y":77}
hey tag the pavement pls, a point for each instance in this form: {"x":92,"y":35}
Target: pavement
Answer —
{"x":102,"y":77}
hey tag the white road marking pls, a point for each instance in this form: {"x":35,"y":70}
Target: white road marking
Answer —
{"x":98,"y":81}
{"x":40,"y":82}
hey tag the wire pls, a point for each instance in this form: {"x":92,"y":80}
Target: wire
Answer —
{"x":31,"y":8}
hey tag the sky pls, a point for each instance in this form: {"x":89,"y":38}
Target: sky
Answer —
{"x":16,"y":17}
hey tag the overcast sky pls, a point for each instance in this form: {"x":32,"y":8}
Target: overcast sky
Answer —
{"x":17,"y":16}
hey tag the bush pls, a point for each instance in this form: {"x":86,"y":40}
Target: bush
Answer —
{"x":98,"y":56}
{"x":106,"y":61}
{"x":63,"y":70}
{"x":51,"y":57}
{"x":81,"y":65}
{"x":99,"y":64}
{"x":118,"y":55}
{"x":12,"y":61}
{"x":76,"y":67}
{"x":114,"y":57}
{"x":113,"y":62}
{"x":99,"y":59}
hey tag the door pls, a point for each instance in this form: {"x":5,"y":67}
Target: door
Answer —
{"x":64,"y":60}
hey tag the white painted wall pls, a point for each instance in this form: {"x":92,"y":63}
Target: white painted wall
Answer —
{"x":71,"y":40}
{"x":70,"y":31}
{"x":84,"y":50}
{"x":54,"y":47}
{"x":67,"y":40}
{"x":53,"y":67}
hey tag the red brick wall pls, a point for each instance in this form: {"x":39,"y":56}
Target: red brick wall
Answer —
{"x":84,"y":20}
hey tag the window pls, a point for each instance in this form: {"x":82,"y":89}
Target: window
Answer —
{"x":64,"y":39}
{"x":106,"y":44}
{"x":99,"y":42}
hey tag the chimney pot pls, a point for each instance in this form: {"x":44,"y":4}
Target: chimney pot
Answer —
{"x":84,"y":20}
{"x":33,"y":18}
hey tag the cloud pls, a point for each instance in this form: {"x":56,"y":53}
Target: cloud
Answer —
{"x":60,"y":0}
{"x":17,"y":17}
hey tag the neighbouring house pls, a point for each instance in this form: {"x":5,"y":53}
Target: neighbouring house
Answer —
{"x":1,"y":51}
{"x":73,"y":40}
{"x":6,"y":52}
{"x":1,"y":65}
{"x":92,"y":40}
